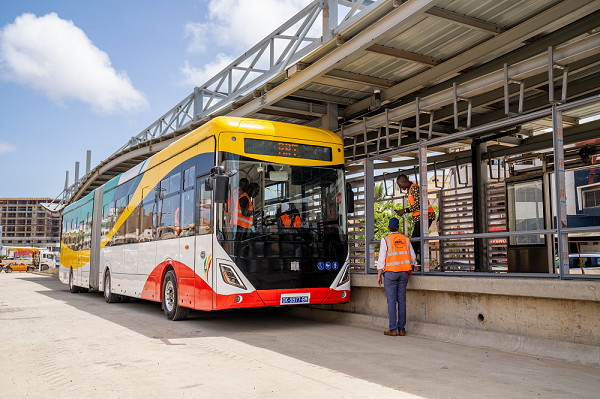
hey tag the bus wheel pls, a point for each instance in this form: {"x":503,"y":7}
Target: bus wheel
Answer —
{"x":169,"y":298}
{"x":72,"y":287}
{"x":109,"y":296}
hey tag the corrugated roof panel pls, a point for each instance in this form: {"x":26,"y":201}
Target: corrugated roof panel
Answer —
{"x":334,"y":91}
{"x":384,"y":67}
{"x":437,"y":38}
{"x":506,"y":13}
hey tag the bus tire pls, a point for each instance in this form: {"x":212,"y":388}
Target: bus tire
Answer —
{"x":109,"y":296}
{"x":72,"y":287}
{"x":169,"y":299}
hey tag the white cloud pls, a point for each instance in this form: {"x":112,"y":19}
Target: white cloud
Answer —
{"x":6,"y":147}
{"x":53,"y":55}
{"x":240,"y":24}
{"x":197,"y":76}
{"x":197,"y":32}
{"x":233,"y":27}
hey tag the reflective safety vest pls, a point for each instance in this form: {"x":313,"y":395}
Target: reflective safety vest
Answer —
{"x":411,"y":200}
{"x":287,"y":221}
{"x":236,"y":217}
{"x":397,"y":256}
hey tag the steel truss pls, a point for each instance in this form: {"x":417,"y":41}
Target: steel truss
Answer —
{"x":301,"y":35}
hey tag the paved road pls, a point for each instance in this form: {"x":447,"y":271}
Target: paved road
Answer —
{"x":58,"y":344}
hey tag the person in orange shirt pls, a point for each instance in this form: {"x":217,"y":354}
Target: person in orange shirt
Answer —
{"x":414,"y":208}
{"x":396,"y":257}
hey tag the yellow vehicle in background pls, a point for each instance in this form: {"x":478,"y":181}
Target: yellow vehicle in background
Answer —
{"x":24,"y":259}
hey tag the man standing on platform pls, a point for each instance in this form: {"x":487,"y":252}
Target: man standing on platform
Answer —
{"x":414,"y":201}
{"x":394,"y":265}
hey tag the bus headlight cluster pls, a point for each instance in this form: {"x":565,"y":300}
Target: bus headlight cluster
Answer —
{"x":230,"y":277}
{"x":345,"y":277}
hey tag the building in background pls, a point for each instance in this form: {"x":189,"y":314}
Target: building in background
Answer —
{"x":26,"y":223}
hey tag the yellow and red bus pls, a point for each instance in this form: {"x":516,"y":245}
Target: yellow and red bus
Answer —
{"x":164,"y":231}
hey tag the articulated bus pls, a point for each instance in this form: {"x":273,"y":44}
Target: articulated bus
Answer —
{"x":167,"y":230}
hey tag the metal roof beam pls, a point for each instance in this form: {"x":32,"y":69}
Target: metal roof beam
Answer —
{"x":464,"y":20}
{"x":404,"y":55}
{"x":566,"y":54}
{"x":326,"y":98}
{"x":355,"y":77}
{"x":286,"y":114}
{"x":348,"y":52}
{"x":561,"y":14}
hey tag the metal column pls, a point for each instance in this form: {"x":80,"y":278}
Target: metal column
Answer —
{"x":423,"y":183}
{"x":479,"y":204}
{"x":369,"y":170}
{"x":561,"y":196}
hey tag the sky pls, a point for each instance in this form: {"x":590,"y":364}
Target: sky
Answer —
{"x":81,"y":75}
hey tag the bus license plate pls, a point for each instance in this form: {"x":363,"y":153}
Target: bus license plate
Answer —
{"x":295,"y":299}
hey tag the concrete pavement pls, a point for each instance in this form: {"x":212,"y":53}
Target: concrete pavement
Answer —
{"x":58,"y":344}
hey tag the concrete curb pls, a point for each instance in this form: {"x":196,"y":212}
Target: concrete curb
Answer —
{"x":586,"y":355}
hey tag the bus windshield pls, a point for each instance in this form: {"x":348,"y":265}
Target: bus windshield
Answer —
{"x":283,"y":219}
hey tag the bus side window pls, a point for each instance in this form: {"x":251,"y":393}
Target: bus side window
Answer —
{"x":148,"y":214}
{"x":168,"y":224}
{"x":187,"y":202}
{"x":204,"y":207}
{"x":133,"y":223}
{"x":187,"y":213}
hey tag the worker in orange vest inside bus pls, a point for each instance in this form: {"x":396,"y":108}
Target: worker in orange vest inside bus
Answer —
{"x":290,"y":216}
{"x":414,"y":200}
{"x":396,"y":257}
{"x":240,"y":214}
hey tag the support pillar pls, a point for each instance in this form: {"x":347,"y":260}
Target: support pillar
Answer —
{"x":479,"y":204}
{"x":330,"y":119}
{"x":76,"y":172}
{"x":561,"y":195}
{"x":423,"y":186}
{"x":369,"y":173}
{"x":88,"y":162}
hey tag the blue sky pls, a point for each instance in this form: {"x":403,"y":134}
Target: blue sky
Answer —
{"x":78,"y":75}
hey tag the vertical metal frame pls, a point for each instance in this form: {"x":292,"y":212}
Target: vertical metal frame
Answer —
{"x":560,"y":191}
{"x":424,"y":207}
{"x":369,"y":174}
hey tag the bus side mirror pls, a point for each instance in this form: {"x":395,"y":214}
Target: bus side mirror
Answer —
{"x":220,"y":182}
{"x":349,"y":198}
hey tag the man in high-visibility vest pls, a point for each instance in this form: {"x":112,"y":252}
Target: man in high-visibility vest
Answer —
{"x":396,"y":257}
{"x":240,"y":210}
{"x":290,"y":217}
{"x":414,"y":207}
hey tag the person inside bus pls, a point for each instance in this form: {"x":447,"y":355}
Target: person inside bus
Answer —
{"x":253,"y":191}
{"x":290,"y":217}
{"x":240,"y":214}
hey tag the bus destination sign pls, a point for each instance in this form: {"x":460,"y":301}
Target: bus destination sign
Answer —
{"x":285,"y":149}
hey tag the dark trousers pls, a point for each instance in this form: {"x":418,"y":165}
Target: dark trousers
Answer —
{"x":395,"y":292}
{"x":417,"y":233}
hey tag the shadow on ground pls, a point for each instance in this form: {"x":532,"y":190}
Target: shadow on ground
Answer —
{"x":410,"y":364}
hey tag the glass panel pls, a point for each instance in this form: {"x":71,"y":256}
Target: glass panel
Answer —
{"x":204,"y":208}
{"x":174,"y":183}
{"x":148,"y":222}
{"x":526,"y":211}
{"x":187,"y":213}
{"x":168,"y":226}
{"x":284,"y":225}
{"x":189,"y":176}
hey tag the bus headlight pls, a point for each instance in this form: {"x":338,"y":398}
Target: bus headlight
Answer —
{"x":345,"y":276}
{"x":230,"y":277}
